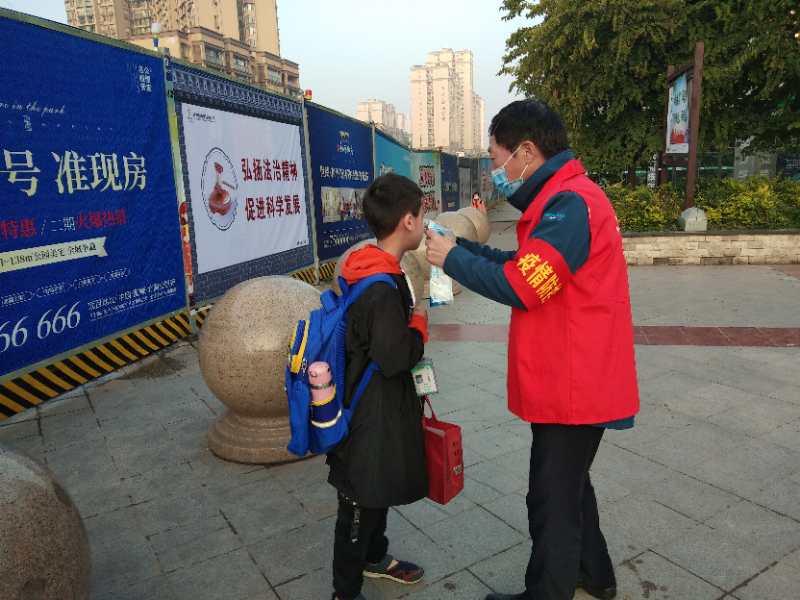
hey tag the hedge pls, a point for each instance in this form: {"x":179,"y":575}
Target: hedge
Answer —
{"x":730,"y":205}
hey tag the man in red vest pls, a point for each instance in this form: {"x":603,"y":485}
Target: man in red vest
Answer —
{"x":571,"y":364}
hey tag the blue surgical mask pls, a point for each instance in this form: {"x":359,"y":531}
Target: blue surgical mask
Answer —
{"x":501,"y":182}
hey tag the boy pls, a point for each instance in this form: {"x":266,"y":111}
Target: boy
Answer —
{"x":382,"y":461}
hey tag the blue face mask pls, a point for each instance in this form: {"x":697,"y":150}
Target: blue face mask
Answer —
{"x":501,"y":182}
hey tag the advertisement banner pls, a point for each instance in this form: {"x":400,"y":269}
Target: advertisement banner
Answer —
{"x":464,"y":187}
{"x":678,"y":117}
{"x":450,"y":182}
{"x":342,"y":168}
{"x":246,"y":187}
{"x":391,"y":157}
{"x":245,"y":208}
{"x":487,"y":191}
{"x":89,"y":237}
{"x":428,"y":175}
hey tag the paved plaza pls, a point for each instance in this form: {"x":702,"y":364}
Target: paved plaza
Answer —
{"x":700,"y":501}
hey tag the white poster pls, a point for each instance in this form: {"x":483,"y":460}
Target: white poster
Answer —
{"x":678,"y":117}
{"x":247,"y":186}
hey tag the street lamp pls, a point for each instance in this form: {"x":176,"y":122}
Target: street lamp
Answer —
{"x":155,"y":29}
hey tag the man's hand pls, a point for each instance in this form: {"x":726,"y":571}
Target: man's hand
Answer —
{"x":438,"y":247}
{"x":419,"y":309}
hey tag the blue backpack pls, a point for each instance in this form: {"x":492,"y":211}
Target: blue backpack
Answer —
{"x":318,"y":428}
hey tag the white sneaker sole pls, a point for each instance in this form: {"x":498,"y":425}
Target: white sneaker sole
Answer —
{"x":372,"y":575}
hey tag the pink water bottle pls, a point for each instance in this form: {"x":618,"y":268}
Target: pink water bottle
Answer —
{"x":321,"y":382}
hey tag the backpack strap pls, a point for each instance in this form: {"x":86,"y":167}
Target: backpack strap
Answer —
{"x":355,"y":290}
{"x":362,"y":386}
{"x":354,"y":293}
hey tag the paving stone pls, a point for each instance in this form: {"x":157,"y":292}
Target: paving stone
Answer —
{"x":759,"y":417}
{"x":455,"y":587}
{"x":155,"y":588}
{"x":107,"y":560}
{"x":479,"y":417}
{"x":11,"y":432}
{"x":651,"y":577}
{"x":193,"y":542}
{"x":772,"y":534}
{"x":653,"y":422}
{"x":314,"y":584}
{"x":691,"y":445}
{"x":258,"y":511}
{"x":512,"y":510}
{"x":627,"y":468}
{"x":496,"y":442}
{"x":688,"y":496}
{"x":644,"y":521}
{"x":473,"y":535}
{"x":779,"y":582}
{"x":505,"y":572}
{"x":495,"y":476}
{"x":319,"y":500}
{"x":787,"y":436}
{"x":293,"y":553}
{"x":65,"y":429}
{"x":231,"y":576}
{"x":423,"y":513}
{"x":478,"y":492}
{"x":715,"y":556}
{"x":782,"y":496}
{"x":749,"y":468}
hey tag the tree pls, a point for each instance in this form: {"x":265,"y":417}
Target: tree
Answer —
{"x":751,"y":85}
{"x":602,"y":65}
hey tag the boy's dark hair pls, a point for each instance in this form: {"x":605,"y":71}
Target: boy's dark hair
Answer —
{"x":388,"y":200}
{"x":529,"y":120}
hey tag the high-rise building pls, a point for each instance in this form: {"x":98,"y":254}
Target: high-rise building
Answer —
{"x":402,"y":122}
{"x":445,"y":110}
{"x":377,"y":111}
{"x":385,"y":117}
{"x":106,"y":17}
{"x":237,"y":37}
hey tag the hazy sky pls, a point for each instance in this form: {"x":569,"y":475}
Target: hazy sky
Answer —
{"x":351,"y":50}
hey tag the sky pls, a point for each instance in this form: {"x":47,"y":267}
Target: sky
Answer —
{"x":351,"y":50}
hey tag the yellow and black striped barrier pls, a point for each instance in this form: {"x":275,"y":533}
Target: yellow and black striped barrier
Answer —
{"x":45,"y":383}
{"x":309,"y":275}
{"x":48,"y":382}
{"x":326,"y":271}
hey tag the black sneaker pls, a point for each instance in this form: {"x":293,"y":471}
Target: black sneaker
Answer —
{"x":597,"y":591}
{"x":401,"y":571}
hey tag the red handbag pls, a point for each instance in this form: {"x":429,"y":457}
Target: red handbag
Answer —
{"x":444,"y":458}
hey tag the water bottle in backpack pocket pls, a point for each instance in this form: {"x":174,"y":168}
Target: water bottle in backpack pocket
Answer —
{"x":315,"y":373}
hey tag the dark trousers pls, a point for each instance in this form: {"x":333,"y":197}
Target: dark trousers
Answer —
{"x":562,"y":513}
{"x":349,"y":556}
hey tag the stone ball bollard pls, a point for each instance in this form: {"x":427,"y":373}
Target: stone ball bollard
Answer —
{"x":480,"y":220}
{"x":244,"y":344}
{"x":45,"y":551}
{"x":340,"y":262}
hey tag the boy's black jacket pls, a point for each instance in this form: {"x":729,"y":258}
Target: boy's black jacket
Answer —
{"x":382,"y":461}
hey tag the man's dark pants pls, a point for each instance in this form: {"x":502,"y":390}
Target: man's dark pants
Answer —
{"x":562,"y":513}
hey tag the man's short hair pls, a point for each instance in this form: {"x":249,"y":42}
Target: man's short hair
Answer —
{"x":388,"y":200}
{"x":529,"y":120}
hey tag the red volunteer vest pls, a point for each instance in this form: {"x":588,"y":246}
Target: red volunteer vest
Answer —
{"x":570,"y":356}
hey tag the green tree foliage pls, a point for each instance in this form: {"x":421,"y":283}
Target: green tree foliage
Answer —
{"x":602,"y":65}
